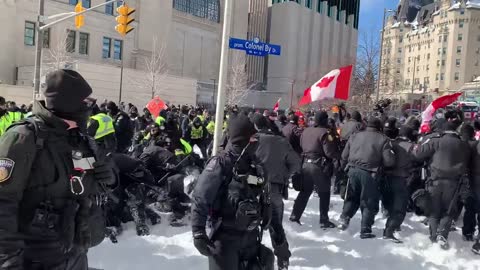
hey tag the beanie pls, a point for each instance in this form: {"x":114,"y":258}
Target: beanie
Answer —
{"x":260,"y":121}
{"x":65,"y":92}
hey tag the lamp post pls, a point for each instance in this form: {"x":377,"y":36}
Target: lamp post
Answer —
{"x":385,"y":11}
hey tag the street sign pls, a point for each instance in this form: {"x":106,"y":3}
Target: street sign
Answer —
{"x":254,"y":47}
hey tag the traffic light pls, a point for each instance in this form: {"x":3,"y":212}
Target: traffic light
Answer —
{"x":80,"y":19}
{"x":123,"y":27}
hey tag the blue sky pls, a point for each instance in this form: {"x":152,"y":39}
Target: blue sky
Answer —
{"x":371,"y":14}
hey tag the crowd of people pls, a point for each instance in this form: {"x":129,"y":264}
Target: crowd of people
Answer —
{"x":73,"y":171}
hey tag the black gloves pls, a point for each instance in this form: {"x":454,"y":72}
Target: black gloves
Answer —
{"x":103,"y":172}
{"x":202,"y":243}
{"x":297,"y":181}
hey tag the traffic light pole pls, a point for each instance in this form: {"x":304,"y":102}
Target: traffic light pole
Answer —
{"x":222,"y":78}
{"x":39,"y":41}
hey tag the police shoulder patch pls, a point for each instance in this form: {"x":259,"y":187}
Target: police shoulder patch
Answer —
{"x":6,"y":169}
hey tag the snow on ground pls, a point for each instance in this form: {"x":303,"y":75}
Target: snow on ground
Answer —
{"x":312,"y":247}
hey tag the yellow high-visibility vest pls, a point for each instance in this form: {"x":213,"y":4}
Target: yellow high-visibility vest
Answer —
{"x":211,"y":127}
{"x":15,"y":116}
{"x":105,"y":125}
{"x":160,"y":120}
{"x":196,"y":133}
{"x":187,"y":148}
{"x":4,"y":123}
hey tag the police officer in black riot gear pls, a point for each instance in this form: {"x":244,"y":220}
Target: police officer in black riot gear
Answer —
{"x":475,"y":187}
{"x":448,"y":158}
{"x":319,"y":150}
{"x":279,"y":162}
{"x":224,"y":195}
{"x":52,"y":182}
{"x":395,"y":195}
{"x":367,"y":153}
{"x":293,"y":132}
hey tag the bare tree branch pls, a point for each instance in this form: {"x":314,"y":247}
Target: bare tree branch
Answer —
{"x":237,"y":87}
{"x":58,"y":56}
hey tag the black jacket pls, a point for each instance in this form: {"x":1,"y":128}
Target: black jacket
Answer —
{"x":369,"y":150}
{"x":316,"y":143}
{"x":277,"y":158}
{"x":448,"y":156}
{"x":405,"y":160}
{"x":124,"y":130}
{"x":349,"y":128}
{"x":35,"y":180}
{"x":293,"y":133}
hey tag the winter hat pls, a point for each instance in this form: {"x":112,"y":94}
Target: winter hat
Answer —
{"x":467,"y":132}
{"x":391,"y":123}
{"x":112,"y":107}
{"x":374,"y":122}
{"x":260,"y":121}
{"x":321,"y":119}
{"x":240,"y":129}
{"x":65,"y":92}
{"x":357,"y":116}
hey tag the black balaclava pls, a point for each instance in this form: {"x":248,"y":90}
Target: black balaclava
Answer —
{"x":3,"y":106}
{"x":357,"y":116}
{"x":321,"y":119}
{"x":374,"y":122}
{"x":65,"y":96}
{"x":240,"y":129}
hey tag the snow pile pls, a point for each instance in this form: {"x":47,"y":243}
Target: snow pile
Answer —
{"x":473,"y":4}
{"x":455,"y":6}
{"x":396,"y":25}
{"x":312,"y":247}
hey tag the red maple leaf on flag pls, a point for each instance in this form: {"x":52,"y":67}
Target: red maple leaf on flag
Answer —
{"x":325,"y":82}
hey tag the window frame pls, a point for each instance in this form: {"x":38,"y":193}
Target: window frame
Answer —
{"x":120,"y":54}
{"x":87,"y":49}
{"x":109,"y":47}
{"x":34,"y":31}
{"x":109,"y":7}
{"x":67,"y":43}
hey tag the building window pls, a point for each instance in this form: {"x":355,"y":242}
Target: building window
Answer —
{"x":457,"y":62}
{"x":109,"y":8}
{"x":408,"y":70}
{"x":443,"y":63}
{"x":399,"y":50}
{"x":438,"y":63}
{"x":436,"y":77}
{"x":457,"y":76}
{"x":320,"y":7}
{"x":460,"y":24}
{"x":399,"y":61}
{"x":440,"y":39}
{"x":107,"y":47}
{"x":462,"y":11}
{"x":439,"y":51}
{"x":208,"y":9}
{"x":442,"y":76}
{"x":308,"y":3}
{"x":73,"y":2}
{"x":400,"y":40}
{"x":117,"y":49}
{"x":71,"y":40}
{"x":398,"y":71}
{"x":445,"y":38}
{"x":460,"y":37}
{"x":29,"y":34}
{"x":407,"y":82}
{"x":46,"y":38}
{"x":459,"y":49}
{"x":444,"y":51}
{"x":409,"y":59}
{"x":418,"y":68}
{"x":83,"y":46}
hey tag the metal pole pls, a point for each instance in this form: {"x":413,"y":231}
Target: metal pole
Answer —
{"x":214,"y":90}
{"x":121,"y":81}
{"x":38,"y":50}
{"x":222,"y":77}
{"x":381,"y":54}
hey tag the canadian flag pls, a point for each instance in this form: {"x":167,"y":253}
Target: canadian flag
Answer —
{"x":277,"y":105}
{"x":438,"y":103}
{"x":336,"y":84}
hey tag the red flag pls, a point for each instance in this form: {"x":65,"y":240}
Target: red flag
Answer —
{"x":336,"y":84}
{"x":277,"y":105}
{"x":155,"y":106}
{"x":438,"y":103}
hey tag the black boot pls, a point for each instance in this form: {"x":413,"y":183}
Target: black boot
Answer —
{"x":388,"y":235}
{"x":468,"y":238}
{"x":327,"y":224}
{"x":476,"y":248}
{"x":295,"y":219}
{"x":367,"y":235}
{"x":344,"y":222}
